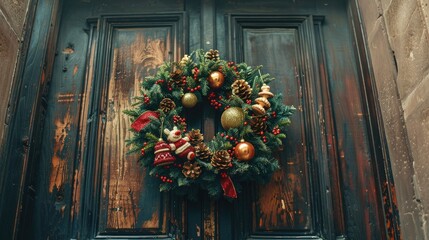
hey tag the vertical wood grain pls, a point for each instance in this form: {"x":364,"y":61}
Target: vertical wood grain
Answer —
{"x":285,"y":202}
{"x":130,"y":198}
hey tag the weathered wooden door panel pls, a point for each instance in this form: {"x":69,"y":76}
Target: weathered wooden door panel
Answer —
{"x":285,"y":47}
{"x":129,"y":196}
{"x":89,"y":187}
{"x":129,"y":49}
{"x":329,"y":101}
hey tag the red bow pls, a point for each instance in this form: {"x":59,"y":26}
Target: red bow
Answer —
{"x":144,"y":120}
{"x":227,"y":186}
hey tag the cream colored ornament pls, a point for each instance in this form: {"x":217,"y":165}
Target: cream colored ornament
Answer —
{"x":262,"y":102}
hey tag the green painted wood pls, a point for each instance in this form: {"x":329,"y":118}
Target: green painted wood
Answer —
{"x":21,"y":135}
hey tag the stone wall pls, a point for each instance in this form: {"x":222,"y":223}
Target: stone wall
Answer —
{"x":398,"y":41}
{"x":12,"y":17}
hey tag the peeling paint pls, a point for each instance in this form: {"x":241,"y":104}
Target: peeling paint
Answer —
{"x":75,"y":70}
{"x":59,"y":164}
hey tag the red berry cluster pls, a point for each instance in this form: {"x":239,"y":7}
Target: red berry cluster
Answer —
{"x":164,"y":178}
{"x":214,"y":100}
{"x":273,"y":114}
{"x":224,"y":175}
{"x":146,"y":99}
{"x":160,"y":81}
{"x":262,"y":133}
{"x":230,"y":138}
{"x":177,"y":120}
{"x":249,"y":101}
{"x":194,"y":89}
{"x":233,"y":66}
{"x":276,"y":130}
{"x":143,"y":151}
{"x":195,"y":71}
{"x":178,"y":165}
{"x":233,"y":140}
{"x":183,"y":80}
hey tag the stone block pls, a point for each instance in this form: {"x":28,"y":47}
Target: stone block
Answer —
{"x":424,"y":6}
{"x":396,"y":135}
{"x":416,"y":98}
{"x":417,"y":122}
{"x":385,"y":3}
{"x":8,"y":53}
{"x":15,"y":12}
{"x":408,"y":36}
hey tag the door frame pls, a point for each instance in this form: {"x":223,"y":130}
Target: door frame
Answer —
{"x":28,"y":106}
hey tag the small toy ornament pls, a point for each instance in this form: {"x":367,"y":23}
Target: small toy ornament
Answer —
{"x":216,"y":79}
{"x":189,"y":100}
{"x":162,"y":154}
{"x":181,"y":146}
{"x":232,"y":118}
{"x":244,"y":151}
{"x":262,"y":102}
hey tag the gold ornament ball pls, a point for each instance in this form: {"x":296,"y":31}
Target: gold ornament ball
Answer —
{"x":244,"y":151}
{"x":189,"y":100}
{"x":232,"y":117}
{"x":216,"y":79}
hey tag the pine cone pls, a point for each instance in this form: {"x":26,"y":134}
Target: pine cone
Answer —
{"x":241,"y":89}
{"x":203,"y":152}
{"x":212,"y":55}
{"x":185,"y":60}
{"x":176,"y":76}
{"x":258,"y":124}
{"x":195,"y":137}
{"x":167,"y":105}
{"x":191,"y":170}
{"x":221,"y":160}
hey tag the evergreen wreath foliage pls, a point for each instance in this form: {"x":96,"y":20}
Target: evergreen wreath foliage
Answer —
{"x":172,"y":80}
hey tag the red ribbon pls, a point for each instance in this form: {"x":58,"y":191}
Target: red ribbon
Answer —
{"x":227,"y":186}
{"x":144,"y":120}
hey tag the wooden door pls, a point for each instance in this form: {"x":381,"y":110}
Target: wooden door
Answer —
{"x":88,"y":187}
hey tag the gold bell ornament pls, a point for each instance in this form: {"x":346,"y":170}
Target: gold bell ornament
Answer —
{"x":262,"y":102}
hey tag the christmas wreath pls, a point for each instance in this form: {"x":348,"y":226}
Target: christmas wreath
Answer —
{"x":254,"y":122}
